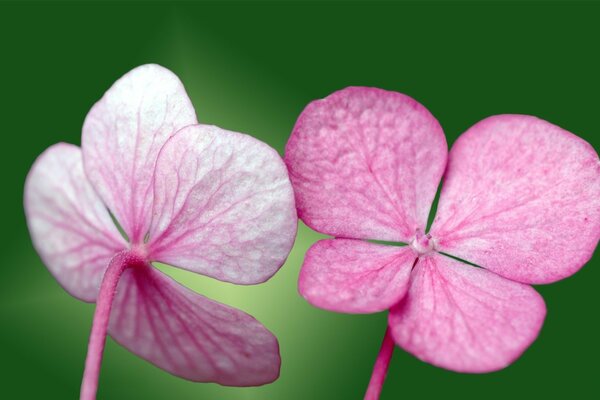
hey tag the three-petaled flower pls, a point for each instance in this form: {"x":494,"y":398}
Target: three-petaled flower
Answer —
{"x":520,"y":198}
{"x":198,"y":197}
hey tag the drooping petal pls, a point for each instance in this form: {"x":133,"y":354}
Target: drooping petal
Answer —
{"x":70,"y":227}
{"x":224,"y":206}
{"x":354,"y":276}
{"x":365,"y":164}
{"x":465,"y":318}
{"x":521,"y":197}
{"x":122,"y":136}
{"x":190,"y":335}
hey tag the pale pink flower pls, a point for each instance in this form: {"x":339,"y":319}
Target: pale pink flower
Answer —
{"x":198,"y":197}
{"x":520,"y":198}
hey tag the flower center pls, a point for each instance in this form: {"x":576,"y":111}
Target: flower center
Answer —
{"x":135,"y":260}
{"x":422,"y":244}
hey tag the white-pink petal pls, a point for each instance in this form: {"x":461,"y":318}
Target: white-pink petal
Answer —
{"x":465,"y":318}
{"x":190,"y":335}
{"x":71,"y":229}
{"x":223,"y":206}
{"x":365,"y":164}
{"x":354,"y":276}
{"x":521,"y":197}
{"x":122,"y":136}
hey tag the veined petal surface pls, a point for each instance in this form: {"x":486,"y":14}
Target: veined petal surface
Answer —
{"x":354,"y":276}
{"x":223,"y":206}
{"x":70,"y":227}
{"x":521,"y":197}
{"x":465,"y":318}
{"x":365,"y":164}
{"x":122,"y":136}
{"x":190,"y":335}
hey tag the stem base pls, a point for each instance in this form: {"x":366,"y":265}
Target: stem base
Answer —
{"x":381,"y":367}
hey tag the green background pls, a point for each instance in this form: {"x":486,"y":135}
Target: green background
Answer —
{"x":252,"y":68}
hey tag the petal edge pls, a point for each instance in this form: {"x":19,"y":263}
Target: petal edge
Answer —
{"x":189,"y":335}
{"x":70,"y":227}
{"x":464,"y":318}
{"x":368,"y":153}
{"x":521,"y":197}
{"x":224,"y":206}
{"x":122,"y":135}
{"x":353,"y":276}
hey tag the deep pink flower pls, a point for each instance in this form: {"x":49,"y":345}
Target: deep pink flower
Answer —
{"x":520,"y":198}
{"x":212,"y":201}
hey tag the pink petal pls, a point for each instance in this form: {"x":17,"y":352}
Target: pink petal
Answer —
{"x":354,"y":276}
{"x":189,"y":335}
{"x":465,"y":318}
{"x":122,"y":136}
{"x":224,"y":206}
{"x":70,"y":227}
{"x":521,"y":197}
{"x":365,"y":164}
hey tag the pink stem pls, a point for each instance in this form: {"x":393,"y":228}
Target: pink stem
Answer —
{"x":381,"y":367}
{"x":108,"y":288}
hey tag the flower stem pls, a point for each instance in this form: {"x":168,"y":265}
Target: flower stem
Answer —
{"x":381,"y":367}
{"x":108,"y":289}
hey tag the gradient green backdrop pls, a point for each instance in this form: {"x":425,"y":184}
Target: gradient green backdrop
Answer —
{"x":252,"y":68}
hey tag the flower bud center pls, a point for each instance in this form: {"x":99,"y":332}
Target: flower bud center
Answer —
{"x":422,"y":244}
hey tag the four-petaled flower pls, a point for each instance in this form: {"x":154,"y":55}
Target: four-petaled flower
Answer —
{"x":198,"y":197}
{"x":520,"y":198}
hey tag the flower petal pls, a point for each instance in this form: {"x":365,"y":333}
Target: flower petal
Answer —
{"x":122,"y":136}
{"x":465,"y":318}
{"x":70,"y":227}
{"x":365,"y":164}
{"x":189,"y":335}
{"x":521,"y":197}
{"x":354,"y":276}
{"x":224,"y":206}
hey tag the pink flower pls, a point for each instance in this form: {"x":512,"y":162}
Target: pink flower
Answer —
{"x":212,"y":201}
{"x":520,"y":198}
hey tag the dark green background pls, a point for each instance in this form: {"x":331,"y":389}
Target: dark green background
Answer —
{"x":252,"y":68}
